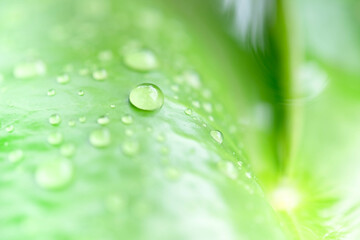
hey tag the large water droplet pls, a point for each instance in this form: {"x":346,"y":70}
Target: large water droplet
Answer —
{"x":55,"y":119}
{"x":63,"y":79}
{"x":100,"y":137}
{"x":141,"y":60}
{"x":217,"y":136}
{"x":55,"y":138}
{"x":147,"y":97}
{"x":100,"y":75}
{"x":16,"y":155}
{"x":127,"y":119}
{"x":54,"y":174}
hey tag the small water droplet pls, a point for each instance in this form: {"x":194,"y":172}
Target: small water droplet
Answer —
{"x":141,"y":60}
{"x":55,"y":119}
{"x":192,"y":78}
{"x":16,"y":156}
{"x":51,"y":92}
{"x":10,"y":128}
{"x":71,"y":123}
{"x":175,"y":88}
{"x":206,"y":93}
{"x":188,"y":111}
{"x":208,"y":107}
{"x":82,"y":119}
{"x":103,"y":120}
{"x":63,"y":79}
{"x":229,"y":169}
{"x":81,"y":93}
{"x":100,"y":75}
{"x":196,"y":104}
{"x":217,"y":136}
{"x":127,"y":119}
{"x":67,"y":150}
{"x":54,"y":174}
{"x":100,"y":137}
{"x":112,"y":106}
{"x":83,"y":71}
{"x":55,"y":138}
{"x":248,"y":175}
{"x":130,"y":148}
{"x":147,"y":97}
{"x":30,"y":69}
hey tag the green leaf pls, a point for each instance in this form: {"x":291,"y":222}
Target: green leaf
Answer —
{"x":78,"y":161}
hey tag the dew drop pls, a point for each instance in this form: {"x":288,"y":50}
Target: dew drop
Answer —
{"x":84,"y":72}
{"x":127,"y":119}
{"x":51,"y":92}
{"x":30,"y":69}
{"x":81,"y":93}
{"x":248,"y":175}
{"x":100,"y":137}
{"x":63,"y":79}
{"x":71,"y":123}
{"x":10,"y":128}
{"x":105,"y":55}
{"x":192,"y":78}
{"x":129,"y":132}
{"x":141,"y":60}
{"x":217,"y":136}
{"x":55,"y":119}
{"x":229,"y":169}
{"x":16,"y":156}
{"x":112,"y":106}
{"x":188,"y":111}
{"x":130,"y":148}
{"x":54,"y":174}
{"x":67,"y":150}
{"x":55,"y":138}
{"x":208,"y":107}
{"x":82,"y":119}
{"x":147,"y":97}
{"x":103,"y":120}
{"x":196,"y":104}
{"x":100,"y":75}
